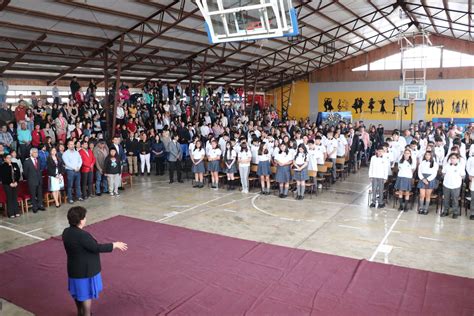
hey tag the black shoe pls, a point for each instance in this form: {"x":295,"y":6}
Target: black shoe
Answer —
{"x":41,"y":208}
{"x":281,"y":195}
{"x":425,"y":212}
{"x":180,"y":181}
{"x":201,"y":186}
{"x":471,"y":217}
{"x":372,"y":205}
{"x":171,"y":181}
{"x":301,"y":197}
{"x":285,"y":196}
{"x":455,"y":216}
{"x":35,"y":211}
{"x":381,"y":205}
{"x":400,"y":208}
{"x":136,"y":174}
{"x":98,"y":194}
{"x":148,"y":174}
{"x":121,"y":188}
{"x":196,"y":185}
{"x":444,"y":214}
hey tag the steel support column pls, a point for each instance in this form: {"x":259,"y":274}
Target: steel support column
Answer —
{"x":117,"y":85}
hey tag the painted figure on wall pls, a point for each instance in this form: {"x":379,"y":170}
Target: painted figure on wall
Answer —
{"x":342,"y":105}
{"x":371,"y":105}
{"x":328,"y":105}
{"x":382,"y":106}
{"x":357,"y":106}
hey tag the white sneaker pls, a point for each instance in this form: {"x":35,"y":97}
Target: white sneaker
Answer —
{"x":245,"y":191}
{"x":111,"y":193}
{"x":117,"y":194}
{"x":320,"y":186}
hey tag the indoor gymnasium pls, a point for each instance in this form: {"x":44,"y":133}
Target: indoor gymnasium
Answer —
{"x":236,"y":157}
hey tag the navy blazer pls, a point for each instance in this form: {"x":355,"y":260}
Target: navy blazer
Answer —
{"x":83,"y":259}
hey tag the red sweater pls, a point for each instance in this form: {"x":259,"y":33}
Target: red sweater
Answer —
{"x":88,"y":160}
{"x":36,"y":140}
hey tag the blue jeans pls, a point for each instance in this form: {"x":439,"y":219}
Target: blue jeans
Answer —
{"x":100,"y":181}
{"x":184,"y":150}
{"x":73,"y":179}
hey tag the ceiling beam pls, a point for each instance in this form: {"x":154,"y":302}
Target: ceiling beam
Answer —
{"x":22,"y":53}
{"x":4,"y":4}
{"x":109,"y":43}
{"x":318,"y":40}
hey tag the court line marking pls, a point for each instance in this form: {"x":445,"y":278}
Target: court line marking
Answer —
{"x":272,"y":215}
{"x":379,"y":247}
{"x":22,"y":233}
{"x":34,"y":230}
{"x":230,"y":211}
{"x":428,"y":238}
{"x":348,"y":226}
{"x":193,"y":207}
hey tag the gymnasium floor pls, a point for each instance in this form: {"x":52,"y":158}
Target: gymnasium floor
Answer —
{"x":337,"y":221}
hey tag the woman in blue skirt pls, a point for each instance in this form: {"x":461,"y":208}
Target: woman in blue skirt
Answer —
{"x":300,"y":169}
{"x":214,"y":160}
{"x":427,"y":173}
{"x":197,"y":157}
{"x":406,"y":167}
{"x":283,"y":160}
{"x":263,"y":169}
{"x":230,"y":160}
{"x":83,"y":260}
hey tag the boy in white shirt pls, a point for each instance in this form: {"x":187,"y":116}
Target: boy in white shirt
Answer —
{"x":331,"y":148}
{"x":378,"y":173}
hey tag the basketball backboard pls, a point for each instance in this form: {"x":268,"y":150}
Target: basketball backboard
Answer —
{"x":246,"y":20}
{"x":416,"y":92}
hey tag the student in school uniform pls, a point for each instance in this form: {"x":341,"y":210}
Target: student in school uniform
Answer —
{"x":315,"y":157}
{"x":342,"y":145}
{"x":378,"y":174}
{"x":415,"y":152}
{"x":263,"y":169}
{"x":406,"y":167}
{"x":454,"y":173}
{"x":245,"y":157}
{"x":470,"y":172}
{"x":230,"y":161}
{"x":213,"y":165}
{"x":331,"y":149}
{"x":438,"y":150}
{"x":427,"y":173}
{"x":389,"y":157}
{"x":300,"y":170}
{"x":197,"y":157}
{"x":283,"y":161}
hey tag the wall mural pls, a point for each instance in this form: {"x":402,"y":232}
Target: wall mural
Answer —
{"x":365,"y":105}
{"x":450,"y":104}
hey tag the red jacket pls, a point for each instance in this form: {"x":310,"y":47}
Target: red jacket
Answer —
{"x":36,"y":140}
{"x":88,"y":160}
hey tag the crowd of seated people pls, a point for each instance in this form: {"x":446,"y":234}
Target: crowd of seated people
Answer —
{"x":58,"y":147}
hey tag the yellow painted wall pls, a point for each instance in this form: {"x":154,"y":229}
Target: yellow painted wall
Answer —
{"x":299,"y":99}
{"x":345,"y":100}
{"x":449,"y":104}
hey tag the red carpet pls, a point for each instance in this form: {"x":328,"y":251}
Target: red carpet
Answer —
{"x":171,"y":270}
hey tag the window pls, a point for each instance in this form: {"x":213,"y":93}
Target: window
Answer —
{"x":420,"y":57}
{"x":12,"y":95}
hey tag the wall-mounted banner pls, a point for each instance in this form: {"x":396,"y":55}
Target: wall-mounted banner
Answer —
{"x":333,"y":118}
{"x":365,"y":105}
{"x":450,"y":104}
